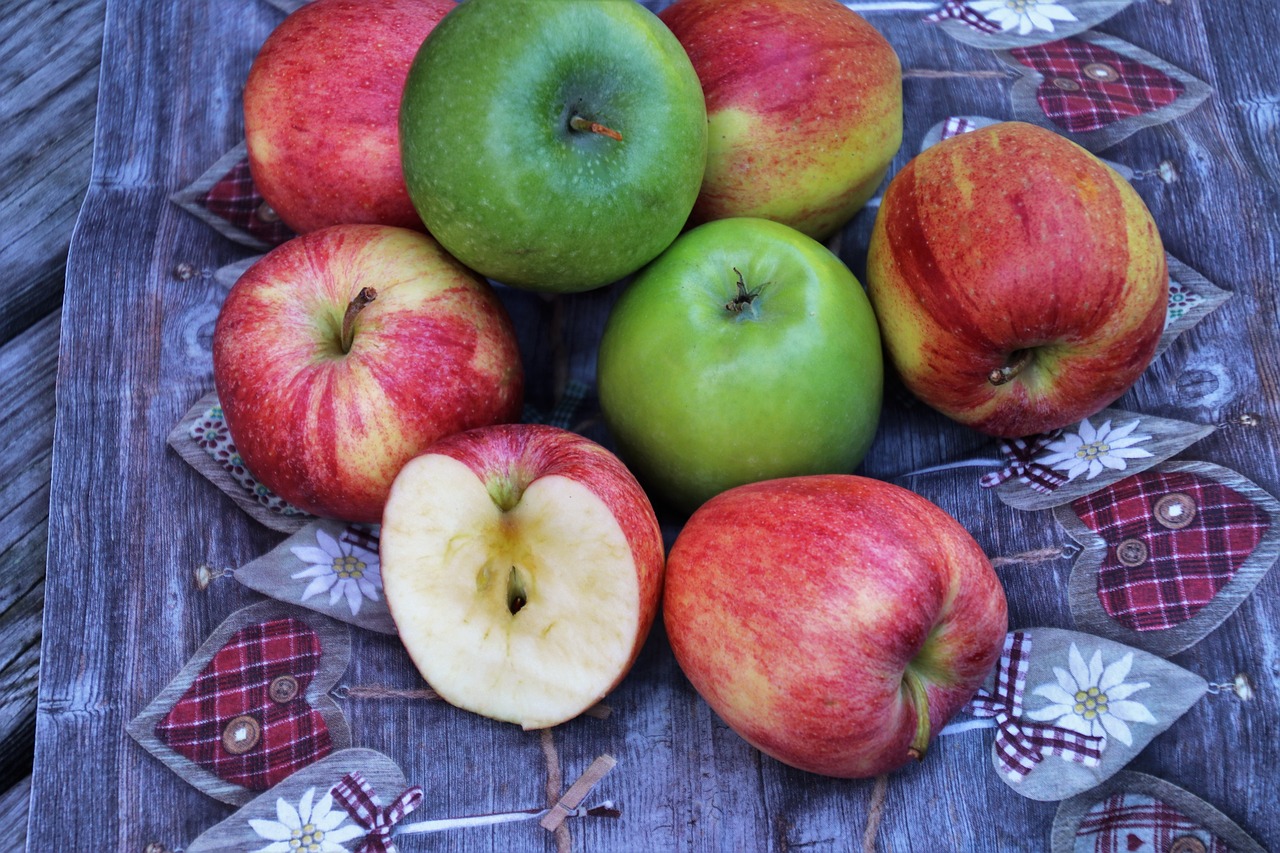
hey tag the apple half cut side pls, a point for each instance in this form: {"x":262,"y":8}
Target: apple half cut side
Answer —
{"x":523,"y":567}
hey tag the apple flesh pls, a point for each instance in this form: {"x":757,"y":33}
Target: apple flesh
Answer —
{"x":1019,"y":282}
{"x":834,"y":622}
{"x":345,"y":352}
{"x":523,"y":567}
{"x":804,"y":99}
{"x":321,"y":110}
{"x":556,"y":146}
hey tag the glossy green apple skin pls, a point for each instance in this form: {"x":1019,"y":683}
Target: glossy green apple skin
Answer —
{"x":502,"y":180}
{"x":700,"y":398}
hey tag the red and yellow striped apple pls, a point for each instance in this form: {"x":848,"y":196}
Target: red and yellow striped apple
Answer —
{"x":804,"y":100}
{"x":322,"y":108}
{"x":344,"y":353}
{"x":834,"y":622}
{"x":1019,"y":282}
{"x":523,"y":567}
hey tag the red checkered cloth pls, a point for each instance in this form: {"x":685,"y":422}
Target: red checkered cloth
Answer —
{"x":366,"y":536}
{"x":957,"y":10}
{"x":235,"y":684}
{"x":1088,"y":87}
{"x":356,"y":796}
{"x":1022,"y":744}
{"x":957,"y":126}
{"x":237,"y":200}
{"x":1021,"y":454}
{"x":1183,"y":568}
{"x":1138,"y":823}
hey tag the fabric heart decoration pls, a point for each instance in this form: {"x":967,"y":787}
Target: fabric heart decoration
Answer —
{"x":1072,"y":709}
{"x":1137,"y":813}
{"x":1098,"y":89}
{"x":997,"y":24}
{"x":1169,"y":553}
{"x":251,"y":707}
{"x":225,"y":198}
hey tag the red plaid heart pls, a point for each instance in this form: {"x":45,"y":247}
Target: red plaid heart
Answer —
{"x":1156,"y":573}
{"x":237,"y":200}
{"x":1138,"y":823}
{"x":245,"y":717}
{"x":1088,"y":87}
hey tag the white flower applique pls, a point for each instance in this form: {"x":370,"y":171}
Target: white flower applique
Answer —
{"x":1090,"y":451}
{"x":1026,"y":15}
{"x":1092,"y":699}
{"x":308,"y":828}
{"x":340,"y":568}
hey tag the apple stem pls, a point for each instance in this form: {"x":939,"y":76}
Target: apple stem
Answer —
{"x":586,"y":124}
{"x":362,"y":300}
{"x":920,"y":743}
{"x":745,"y":297}
{"x":1018,"y":360}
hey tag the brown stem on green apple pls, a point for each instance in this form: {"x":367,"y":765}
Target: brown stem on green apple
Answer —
{"x":920,"y":698}
{"x":362,"y":300}
{"x":1018,"y":360}
{"x":587,"y":125}
{"x":745,"y":297}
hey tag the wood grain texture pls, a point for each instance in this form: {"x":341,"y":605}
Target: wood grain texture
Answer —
{"x":129,"y":519}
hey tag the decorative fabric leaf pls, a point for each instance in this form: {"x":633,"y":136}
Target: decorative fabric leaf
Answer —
{"x":1098,"y":89}
{"x":1191,"y":298}
{"x":1140,"y":813}
{"x":1072,"y":709}
{"x":329,"y":566}
{"x":251,"y":707}
{"x":953,"y":126}
{"x":1169,"y":553}
{"x":1045,"y":471}
{"x":998,"y":24}
{"x":225,"y":198}
{"x":202,"y":439}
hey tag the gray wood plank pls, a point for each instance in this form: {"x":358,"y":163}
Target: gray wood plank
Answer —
{"x":13,"y":815}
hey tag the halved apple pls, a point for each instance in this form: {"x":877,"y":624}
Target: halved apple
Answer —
{"x":523,"y":566}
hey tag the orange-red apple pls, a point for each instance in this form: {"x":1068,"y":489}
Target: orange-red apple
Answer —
{"x":804,"y":100}
{"x":523,"y":567}
{"x":322,"y":106}
{"x":834,"y":622}
{"x":345,"y":352}
{"x":1019,"y":282}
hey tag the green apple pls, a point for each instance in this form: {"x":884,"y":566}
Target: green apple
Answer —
{"x":747,"y":351}
{"x":556,"y":145}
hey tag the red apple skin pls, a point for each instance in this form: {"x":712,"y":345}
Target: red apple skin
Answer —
{"x":794,"y":606}
{"x":1013,"y":238}
{"x":804,"y":100}
{"x":322,"y":107}
{"x":521,"y":453}
{"x":435,"y":353}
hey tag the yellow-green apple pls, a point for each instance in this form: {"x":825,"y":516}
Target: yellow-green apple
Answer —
{"x":746,"y":351}
{"x":321,"y":111}
{"x":804,"y":99}
{"x":345,"y":352}
{"x":1019,"y":282}
{"x":523,"y":567}
{"x":834,"y":622}
{"x":555,"y":145}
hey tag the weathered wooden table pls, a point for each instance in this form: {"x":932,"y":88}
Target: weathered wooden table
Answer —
{"x":128,"y":520}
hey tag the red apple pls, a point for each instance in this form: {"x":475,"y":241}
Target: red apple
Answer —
{"x":1020,"y":283}
{"x":322,"y":106}
{"x":345,"y":352}
{"x":804,"y":99}
{"x":834,"y":622}
{"x":523,"y":566}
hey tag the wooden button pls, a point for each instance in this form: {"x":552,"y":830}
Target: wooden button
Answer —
{"x":1101,"y":71}
{"x":267,"y":213}
{"x":1132,"y":552}
{"x":1187,"y":844}
{"x":1175,"y":511}
{"x":283,"y":688}
{"x":241,"y":735}
{"x":1066,"y":84}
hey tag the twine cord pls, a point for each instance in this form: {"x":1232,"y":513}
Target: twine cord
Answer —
{"x":874,"y":813}
{"x":1039,"y":555}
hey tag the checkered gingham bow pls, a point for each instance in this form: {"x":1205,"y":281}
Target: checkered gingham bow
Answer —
{"x":356,"y":796}
{"x":957,"y":10}
{"x":1021,"y":745}
{"x":1020,"y":454}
